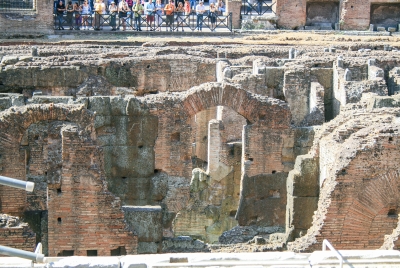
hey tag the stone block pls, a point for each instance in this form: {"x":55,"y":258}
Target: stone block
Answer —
{"x":304,"y":179}
{"x":309,"y":28}
{"x":371,"y":27}
{"x":125,"y":161}
{"x":303,"y":211}
{"x":100,"y":105}
{"x":148,"y":248}
{"x":118,"y":105}
{"x":380,"y":29}
{"x":147,"y":223}
{"x":392,"y":29}
{"x":9,"y":60}
{"x":262,"y":197}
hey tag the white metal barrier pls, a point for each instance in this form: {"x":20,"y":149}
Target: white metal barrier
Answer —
{"x":325,"y":244}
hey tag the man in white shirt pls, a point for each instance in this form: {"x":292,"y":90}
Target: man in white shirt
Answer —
{"x":200,"y":9}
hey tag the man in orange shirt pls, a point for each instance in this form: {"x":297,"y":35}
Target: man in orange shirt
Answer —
{"x":169,"y":12}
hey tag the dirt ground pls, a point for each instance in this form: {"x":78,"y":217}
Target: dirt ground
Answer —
{"x":290,"y":38}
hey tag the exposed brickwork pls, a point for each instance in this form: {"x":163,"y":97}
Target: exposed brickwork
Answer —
{"x":18,"y":237}
{"x":80,"y":207}
{"x":35,"y":22}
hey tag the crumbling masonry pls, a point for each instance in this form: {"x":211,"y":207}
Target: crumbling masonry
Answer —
{"x":199,"y":148}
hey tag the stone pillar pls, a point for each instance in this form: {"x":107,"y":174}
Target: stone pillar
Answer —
{"x":234,"y":6}
{"x":214,"y":145}
{"x":347,"y":75}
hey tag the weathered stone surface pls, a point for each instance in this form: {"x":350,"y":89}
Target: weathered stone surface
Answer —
{"x":289,"y":149}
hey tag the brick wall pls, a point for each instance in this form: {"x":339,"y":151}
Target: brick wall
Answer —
{"x":83,"y":215}
{"x":292,"y":14}
{"x":18,"y":237}
{"x":39,"y":21}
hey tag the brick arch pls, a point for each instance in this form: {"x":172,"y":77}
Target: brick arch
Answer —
{"x":253,"y":107}
{"x":14,"y":121}
{"x":370,"y":210}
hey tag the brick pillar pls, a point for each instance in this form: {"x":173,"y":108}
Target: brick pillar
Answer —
{"x":291,"y":13}
{"x":234,"y":6}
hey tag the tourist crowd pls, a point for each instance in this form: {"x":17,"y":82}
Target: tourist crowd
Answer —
{"x":133,"y":12}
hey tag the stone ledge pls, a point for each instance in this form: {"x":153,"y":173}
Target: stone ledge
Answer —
{"x":142,"y":208}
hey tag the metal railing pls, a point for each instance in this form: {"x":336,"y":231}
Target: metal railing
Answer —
{"x":257,"y":7}
{"x":325,"y":244}
{"x":113,"y":21}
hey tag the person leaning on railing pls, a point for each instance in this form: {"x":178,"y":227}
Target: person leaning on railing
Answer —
{"x":86,"y":10}
{"x":159,"y":13}
{"x":122,"y":13}
{"x":98,"y":6}
{"x":213,"y":16}
{"x":187,"y":8}
{"x":113,"y":9}
{"x":137,"y":12}
{"x":180,"y":12}
{"x":150,"y":8}
{"x":169,"y":12}
{"x":77,"y":15}
{"x":200,"y":9}
{"x":60,"y":14}
{"x":70,"y":13}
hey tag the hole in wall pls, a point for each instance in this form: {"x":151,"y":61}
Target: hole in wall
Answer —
{"x":91,"y":252}
{"x":273,"y":171}
{"x":390,"y":139}
{"x":140,"y":146}
{"x":119,"y":251}
{"x":123,"y":178}
{"x":66,"y":253}
{"x":232,"y":213}
{"x":59,"y":192}
{"x":392,"y":213}
{"x":352,"y":7}
{"x":148,"y":66}
{"x":176,"y":136}
{"x":59,"y":220}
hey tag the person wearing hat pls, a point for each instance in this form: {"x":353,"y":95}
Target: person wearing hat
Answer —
{"x":113,"y":14}
{"x":200,"y":9}
{"x":150,"y":10}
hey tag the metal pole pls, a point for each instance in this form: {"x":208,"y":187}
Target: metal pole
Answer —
{"x":25,"y":185}
{"x":21,"y":253}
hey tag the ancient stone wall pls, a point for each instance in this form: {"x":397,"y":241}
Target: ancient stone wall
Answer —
{"x":249,"y":155}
